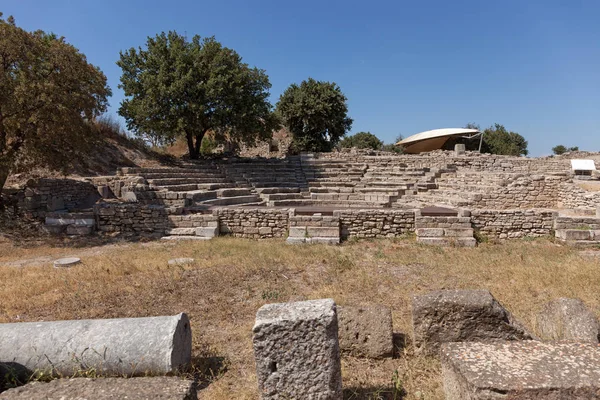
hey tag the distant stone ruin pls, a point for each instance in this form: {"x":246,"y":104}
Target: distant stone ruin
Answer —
{"x":327,"y":197}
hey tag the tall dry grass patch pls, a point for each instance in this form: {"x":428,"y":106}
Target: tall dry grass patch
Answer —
{"x":232,"y":278}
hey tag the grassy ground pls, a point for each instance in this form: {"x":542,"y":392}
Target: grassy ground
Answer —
{"x":232,"y":278}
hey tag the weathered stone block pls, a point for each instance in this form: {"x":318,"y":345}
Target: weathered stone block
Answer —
{"x":297,"y":351}
{"x":568,"y":319}
{"x":430,"y":232}
{"x":181,"y":231}
{"x":574,"y":234}
{"x":525,"y":370}
{"x":366,"y":331}
{"x":448,"y":241}
{"x":461,"y":316}
{"x":160,"y":388}
{"x":297,"y":231}
{"x":320,"y":231}
{"x":207,"y":231}
{"x":458,"y":232}
{"x":79,"y":230}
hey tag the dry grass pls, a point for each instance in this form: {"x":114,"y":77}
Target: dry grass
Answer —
{"x":232,"y":278}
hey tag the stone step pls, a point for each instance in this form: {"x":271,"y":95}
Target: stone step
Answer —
{"x":180,"y":181}
{"x":176,"y":188}
{"x":214,"y":186}
{"x":443,"y":241}
{"x":179,"y":175}
{"x":282,"y":196}
{"x":233,"y":192}
{"x":273,"y":190}
{"x":228,"y":201}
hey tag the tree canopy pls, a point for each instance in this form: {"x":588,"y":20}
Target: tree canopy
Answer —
{"x":362,"y":140}
{"x":497,"y":140}
{"x":316,"y":114}
{"x":49,"y":94}
{"x":177,"y":87}
{"x":560,"y":149}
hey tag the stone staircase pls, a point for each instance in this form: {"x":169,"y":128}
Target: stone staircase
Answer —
{"x":459,"y":189}
{"x":195,"y":185}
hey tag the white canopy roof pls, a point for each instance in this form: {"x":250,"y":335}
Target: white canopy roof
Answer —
{"x":432,"y":140}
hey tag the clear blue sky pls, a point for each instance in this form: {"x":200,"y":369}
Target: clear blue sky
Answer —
{"x":405,"y":66}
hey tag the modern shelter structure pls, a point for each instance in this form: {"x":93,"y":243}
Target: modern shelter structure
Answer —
{"x":435,"y":139}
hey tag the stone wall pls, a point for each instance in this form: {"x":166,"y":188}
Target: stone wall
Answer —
{"x":534,"y":191}
{"x":376,"y":223}
{"x":572,"y":196}
{"x":508,"y":224}
{"x":41,"y":196}
{"x":255,"y":223}
{"x":136,"y":219}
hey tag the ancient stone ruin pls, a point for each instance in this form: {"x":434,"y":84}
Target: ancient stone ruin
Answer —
{"x":444,"y":198}
{"x":484,"y":352}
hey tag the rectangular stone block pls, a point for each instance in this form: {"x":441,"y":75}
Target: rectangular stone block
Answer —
{"x":320,"y":231}
{"x":448,"y":241}
{"x":159,"y":387}
{"x":521,"y":370}
{"x":207,"y":231}
{"x":574,"y":234}
{"x":430,"y":232}
{"x":324,"y":240}
{"x":297,"y":231}
{"x":297,"y":351}
{"x":458,"y":232}
{"x":181,"y":231}
{"x":366,"y":331}
{"x":295,"y":240}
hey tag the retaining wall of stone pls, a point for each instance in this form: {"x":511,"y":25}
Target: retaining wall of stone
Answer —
{"x":376,"y":223}
{"x":507,"y":224}
{"x":253,"y":223}
{"x":143,"y":220}
{"x":41,"y":196}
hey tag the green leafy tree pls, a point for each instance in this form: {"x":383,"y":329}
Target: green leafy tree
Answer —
{"x":316,"y":114}
{"x":392,"y":147}
{"x":497,"y":140}
{"x":49,"y":95}
{"x":560,"y":149}
{"x":362,"y":140}
{"x":180,"y":88}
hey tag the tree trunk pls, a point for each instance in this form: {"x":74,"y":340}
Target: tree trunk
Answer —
{"x":191,"y":148}
{"x":3,"y":177}
{"x":199,"y":142}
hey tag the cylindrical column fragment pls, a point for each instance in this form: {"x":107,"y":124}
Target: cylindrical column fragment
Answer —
{"x":127,"y":346}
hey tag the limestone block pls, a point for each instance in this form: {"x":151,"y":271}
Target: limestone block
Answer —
{"x":297,"y":351}
{"x":574,"y":234}
{"x":568,"y":319}
{"x":207,"y":231}
{"x":324,"y":240}
{"x":143,"y":388}
{"x":297,"y":231}
{"x":79,"y":230}
{"x":319,"y":231}
{"x":126,"y":346}
{"x":448,"y":241}
{"x":366,"y":331}
{"x":295,"y":240}
{"x":458,"y":232}
{"x":181,"y":231}
{"x":430,"y":232}
{"x":521,"y":370}
{"x":461,"y":316}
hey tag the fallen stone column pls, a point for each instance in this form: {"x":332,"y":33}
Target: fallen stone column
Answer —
{"x":128,"y":346}
{"x":297,"y":351}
